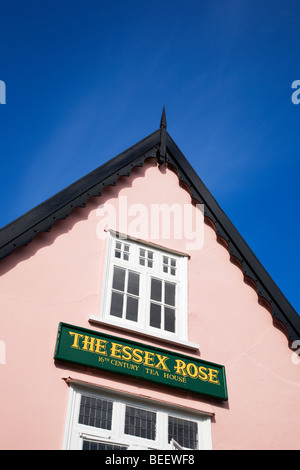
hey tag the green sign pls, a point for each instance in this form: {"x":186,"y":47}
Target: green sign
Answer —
{"x":105,"y":352}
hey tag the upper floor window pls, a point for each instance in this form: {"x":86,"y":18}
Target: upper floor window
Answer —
{"x":145,"y":288}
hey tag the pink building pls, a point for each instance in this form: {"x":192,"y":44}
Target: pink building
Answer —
{"x":134,"y":316}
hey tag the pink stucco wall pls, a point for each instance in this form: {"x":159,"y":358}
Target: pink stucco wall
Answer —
{"x":58,"y":278}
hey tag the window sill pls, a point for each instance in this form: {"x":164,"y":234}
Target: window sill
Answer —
{"x":176,"y":342}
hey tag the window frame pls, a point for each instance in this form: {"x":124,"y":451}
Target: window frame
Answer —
{"x":143,"y":324}
{"x":75,"y":433}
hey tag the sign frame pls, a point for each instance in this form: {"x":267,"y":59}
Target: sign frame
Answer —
{"x":105,"y":352}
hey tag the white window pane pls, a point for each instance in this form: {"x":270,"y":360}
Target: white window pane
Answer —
{"x":133,"y":283}
{"x":132,"y":308}
{"x":95,"y":412}
{"x":170,"y":294}
{"x":122,"y":251}
{"x":116,"y":308}
{"x":140,"y":423}
{"x":156,"y":289}
{"x":155,"y":315}
{"x":119,"y":279}
{"x":170,"y":319}
{"x":184,"y":432}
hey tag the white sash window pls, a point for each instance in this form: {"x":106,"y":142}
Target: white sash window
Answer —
{"x":145,"y":289}
{"x":108,"y":421}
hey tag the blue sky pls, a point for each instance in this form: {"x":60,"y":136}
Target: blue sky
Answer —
{"x":87,"y":79}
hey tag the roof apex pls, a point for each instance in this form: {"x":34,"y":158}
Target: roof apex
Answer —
{"x":163,"y":120}
{"x":158,"y":145}
{"x":163,"y":138}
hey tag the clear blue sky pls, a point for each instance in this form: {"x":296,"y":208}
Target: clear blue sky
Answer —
{"x":87,"y":79}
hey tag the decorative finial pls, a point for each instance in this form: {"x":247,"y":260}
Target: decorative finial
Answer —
{"x":163,"y":138}
{"x":163,"y":121}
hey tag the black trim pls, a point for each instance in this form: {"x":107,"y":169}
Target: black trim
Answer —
{"x":266,"y":288}
{"x":159,"y":145}
{"x":41,"y":218}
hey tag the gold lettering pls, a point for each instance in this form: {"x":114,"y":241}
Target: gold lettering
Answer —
{"x":76,"y":339}
{"x":100,"y":347}
{"x":116,"y":350}
{"x":126,"y":353}
{"x":151,"y":371}
{"x":136,"y":357}
{"x":88,"y":343}
{"x":180,"y":366}
{"x":174,"y":377}
{"x":213,"y":376}
{"x":202,"y":373}
{"x":149,"y":358}
{"x":161,"y":364}
{"x":193,"y":374}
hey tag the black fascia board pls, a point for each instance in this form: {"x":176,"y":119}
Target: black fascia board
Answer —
{"x":266,"y":288}
{"x":41,"y":218}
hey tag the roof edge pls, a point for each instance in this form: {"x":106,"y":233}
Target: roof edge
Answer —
{"x":266,"y":288}
{"x":21,"y":231}
{"x":41,"y":218}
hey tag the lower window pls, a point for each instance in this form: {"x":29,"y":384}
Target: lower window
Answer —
{"x":99,"y":421}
